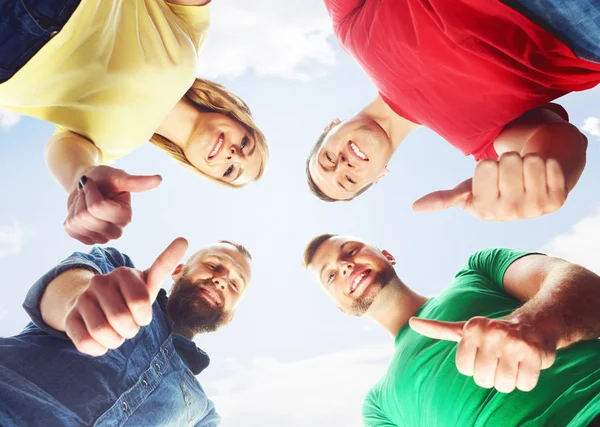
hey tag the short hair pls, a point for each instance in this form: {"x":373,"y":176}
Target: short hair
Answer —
{"x":239,"y":247}
{"x":313,"y":245}
{"x":312,"y":185}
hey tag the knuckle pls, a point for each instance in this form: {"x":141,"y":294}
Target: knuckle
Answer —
{"x":96,"y":208}
{"x":511,"y":156}
{"x":475,"y":324}
{"x":98,"y":329}
{"x":483,"y":381}
{"x":533,"y":160}
{"x":81,"y":216}
{"x":486,"y":165}
{"x":504,"y":387}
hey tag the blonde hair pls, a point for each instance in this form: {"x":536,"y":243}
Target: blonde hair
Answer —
{"x":211,"y":97}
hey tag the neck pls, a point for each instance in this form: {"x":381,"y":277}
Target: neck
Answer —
{"x":179,"y":125}
{"x":394,"y":305}
{"x":184,"y":332}
{"x":396,"y":127}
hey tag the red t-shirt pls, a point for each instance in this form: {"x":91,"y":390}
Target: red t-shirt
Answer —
{"x":463,"y":68}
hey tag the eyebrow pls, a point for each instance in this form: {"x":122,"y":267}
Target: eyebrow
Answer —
{"x":341,"y":185}
{"x":240,"y":170}
{"x":253,"y":147}
{"x":323,"y":167}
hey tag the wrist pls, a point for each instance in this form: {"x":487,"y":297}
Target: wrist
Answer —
{"x":547,"y":325}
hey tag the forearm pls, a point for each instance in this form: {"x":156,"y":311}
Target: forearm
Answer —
{"x":561,"y":141}
{"x":566,"y":305}
{"x":69,"y":156}
{"x":61,"y":294}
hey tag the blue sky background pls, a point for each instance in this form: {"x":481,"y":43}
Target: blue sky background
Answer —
{"x":289,"y":354}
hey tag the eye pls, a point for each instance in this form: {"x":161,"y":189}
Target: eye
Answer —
{"x":211,"y":266}
{"x":228,"y":171}
{"x":235,"y":285}
{"x":351,"y":180}
{"x":244,"y":143}
{"x":353,"y":252}
{"x":329,"y":157}
{"x":331,"y":277}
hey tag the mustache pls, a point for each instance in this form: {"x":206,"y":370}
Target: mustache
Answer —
{"x":190,"y":289}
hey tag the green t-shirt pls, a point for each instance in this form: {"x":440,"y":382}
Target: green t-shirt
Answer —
{"x":422,"y":386}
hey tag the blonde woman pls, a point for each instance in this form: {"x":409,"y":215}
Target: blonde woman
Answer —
{"x":112,"y":75}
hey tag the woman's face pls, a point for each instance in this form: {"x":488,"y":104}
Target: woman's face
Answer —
{"x":223,"y":149}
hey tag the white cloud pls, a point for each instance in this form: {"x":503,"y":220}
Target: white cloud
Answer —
{"x":8,"y":119}
{"x":270,"y":37}
{"x":323,"y":391}
{"x":12,"y":238}
{"x":581,"y":245}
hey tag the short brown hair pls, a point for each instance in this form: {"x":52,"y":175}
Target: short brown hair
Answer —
{"x":312,"y":185}
{"x":212,"y":97}
{"x":313,"y":245}
{"x":239,"y":247}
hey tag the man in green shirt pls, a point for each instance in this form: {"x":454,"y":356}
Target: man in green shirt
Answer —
{"x":512,"y":341}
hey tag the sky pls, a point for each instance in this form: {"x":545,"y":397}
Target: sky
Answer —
{"x":289,"y":355}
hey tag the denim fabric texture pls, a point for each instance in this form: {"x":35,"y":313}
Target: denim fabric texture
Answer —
{"x":148,"y":381}
{"x":574,"y":22}
{"x":26,"y":26}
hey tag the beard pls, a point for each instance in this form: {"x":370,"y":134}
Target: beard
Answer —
{"x":362,"y":304}
{"x":192,"y":313}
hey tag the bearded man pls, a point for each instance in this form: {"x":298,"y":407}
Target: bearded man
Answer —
{"x":106,"y":346}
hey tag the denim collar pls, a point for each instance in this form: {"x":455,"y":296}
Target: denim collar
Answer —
{"x":195,"y":358}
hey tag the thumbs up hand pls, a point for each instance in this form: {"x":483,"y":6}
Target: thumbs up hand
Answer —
{"x":511,"y":188}
{"x":100,"y":208}
{"x":114,"y":306}
{"x":505,"y":354}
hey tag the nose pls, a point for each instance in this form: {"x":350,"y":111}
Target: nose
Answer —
{"x":234,"y":154}
{"x":344,"y":162}
{"x":346,"y":268}
{"x":220,"y":279}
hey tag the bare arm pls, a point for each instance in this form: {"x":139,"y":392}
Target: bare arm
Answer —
{"x":69,"y":156}
{"x":545,"y":133}
{"x":561,"y":298}
{"x":61,"y":294}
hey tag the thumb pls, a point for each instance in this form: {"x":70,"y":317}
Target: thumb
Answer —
{"x":138,"y":183}
{"x":441,"y":200}
{"x":164,"y":264}
{"x":449,"y":331}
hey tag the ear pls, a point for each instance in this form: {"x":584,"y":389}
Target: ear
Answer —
{"x":381,"y":175}
{"x":389,"y":257}
{"x":332,"y":125}
{"x":177,"y":271}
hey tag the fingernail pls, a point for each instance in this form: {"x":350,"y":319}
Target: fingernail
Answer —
{"x":82,"y":181}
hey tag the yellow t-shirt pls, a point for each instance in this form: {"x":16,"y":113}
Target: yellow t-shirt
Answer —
{"x":113,"y":72}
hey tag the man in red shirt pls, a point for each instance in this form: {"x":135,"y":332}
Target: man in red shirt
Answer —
{"x":480,"y":74}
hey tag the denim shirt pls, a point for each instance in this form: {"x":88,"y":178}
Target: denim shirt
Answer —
{"x":148,"y":381}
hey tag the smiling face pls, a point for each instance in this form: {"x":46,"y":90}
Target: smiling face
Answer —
{"x":224,"y":149}
{"x":208,"y":288}
{"x":352,"y":272}
{"x":354,"y":154}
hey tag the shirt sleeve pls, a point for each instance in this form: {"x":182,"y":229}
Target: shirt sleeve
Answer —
{"x":493,"y":263}
{"x":196,"y":20}
{"x":341,"y":9}
{"x":212,"y":418}
{"x":98,"y":260}
{"x":373,"y":415}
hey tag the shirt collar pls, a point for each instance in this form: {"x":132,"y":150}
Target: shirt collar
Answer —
{"x":195,"y":358}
